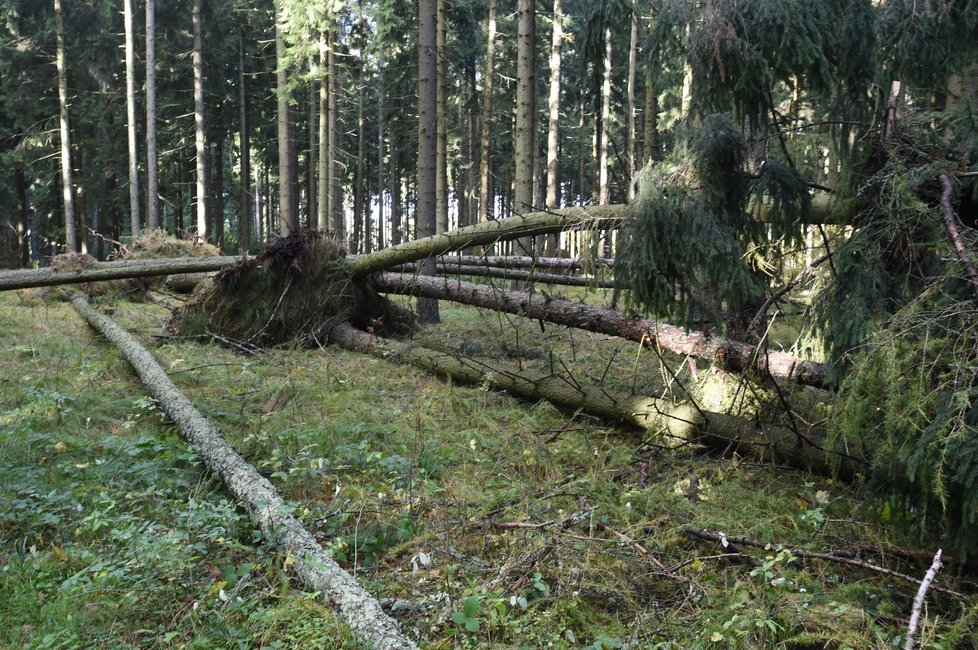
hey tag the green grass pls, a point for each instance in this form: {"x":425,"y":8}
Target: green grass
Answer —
{"x":115,"y":536}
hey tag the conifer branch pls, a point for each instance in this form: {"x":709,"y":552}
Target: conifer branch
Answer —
{"x":950,"y":224}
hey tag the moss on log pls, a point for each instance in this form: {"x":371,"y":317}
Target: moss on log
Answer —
{"x":317,"y":571}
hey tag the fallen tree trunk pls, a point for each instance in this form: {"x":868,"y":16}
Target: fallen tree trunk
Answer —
{"x":682,"y":423}
{"x":729,"y":355}
{"x":514,"y":274}
{"x":533,"y":223}
{"x":524,"y":262}
{"x":318,"y":572}
{"x":48,"y":277}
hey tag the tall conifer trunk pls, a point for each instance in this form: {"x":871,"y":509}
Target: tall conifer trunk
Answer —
{"x":650,"y":139}
{"x":200,"y":144}
{"x":131,"y":119}
{"x":441,"y":129}
{"x":67,"y":178}
{"x":485,"y":197}
{"x":526,"y":95}
{"x":630,"y":110}
{"x":322,"y":200}
{"x":288,"y":220}
{"x":245,"y":197}
{"x":153,"y":220}
{"x":427,"y":136}
{"x":553,"y":130}
{"x":380,"y":150}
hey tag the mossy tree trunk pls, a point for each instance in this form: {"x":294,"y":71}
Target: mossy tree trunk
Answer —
{"x":317,"y":570}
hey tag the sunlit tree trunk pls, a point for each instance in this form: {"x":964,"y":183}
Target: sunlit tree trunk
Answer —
{"x":553,"y":130}
{"x":152,"y":155}
{"x":322,"y":200}
{"x":288,"y":220}
{"x":380,"y":150}
{"x":245,"y":197}
{"x":334,"y":187}
{"x":131,"y":119}
{"x":441,"y":144}
{"x":604,"y":191}
{"x":526,"y":92}
{"x":427,"y":137}
{"x":485,"y":200}
{"x":312,"y":156}
{"x":67,"y":179}
{"x":200,"y":143}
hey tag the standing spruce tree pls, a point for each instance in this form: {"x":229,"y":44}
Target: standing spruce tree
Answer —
{"x":427,"y":140}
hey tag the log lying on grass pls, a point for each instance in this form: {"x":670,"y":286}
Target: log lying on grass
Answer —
{"x":318,"y":572}
{"x":729,"y":355}
{"x":49,"y":277}
{"x":677,"y":423}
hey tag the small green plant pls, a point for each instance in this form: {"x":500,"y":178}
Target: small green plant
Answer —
{"x":467,"y":617}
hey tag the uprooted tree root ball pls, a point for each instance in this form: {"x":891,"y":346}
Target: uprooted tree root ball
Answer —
{"x":296,"y":290}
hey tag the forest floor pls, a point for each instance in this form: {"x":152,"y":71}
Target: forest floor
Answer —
{"x":489,"y":522}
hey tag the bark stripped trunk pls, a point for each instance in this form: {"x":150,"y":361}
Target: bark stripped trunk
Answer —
{"x":314,"y":567}
{"x":729,"y":355}
{"x":553,"y":130}
{"x":289,"y":220}
{"x":672,"y":423}
{"x":485,"y":197}
{"x":630,"y":110}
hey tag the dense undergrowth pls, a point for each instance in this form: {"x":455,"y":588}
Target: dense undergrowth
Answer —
{"x":492,"y":523}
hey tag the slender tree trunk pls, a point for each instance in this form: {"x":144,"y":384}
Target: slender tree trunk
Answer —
{"x":361,"y":207}
{"x":485,"y":198}
{"x":288,"y":220}
{"x":67,"y":179}
{"x":604,"y":190}
{"x":381,"y":188}
{"x":152,"y":155}
{"x":630,"y":110}
{"x":312,"y":157}
{"x":335,"y":187}
{"x":651,"y":127}
{"x":245,"y":196}
{"x":441,"y":142}
{"x":553,"y":130}
{"x":131,"y":119}
{"x":219,"y":193}
{"x":426,"y":218}
{"x":322,"y":201}
{"x":200,"y":143}
{"x":523,"y":137}
{"x":397,"y":206}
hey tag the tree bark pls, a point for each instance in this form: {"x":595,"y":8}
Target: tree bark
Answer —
{"x":526,"y":102}
{"x":49,"y":277}
{"x":288,"y":219}
{"x":674,"y":423}
{"x":381,"y":124}
{"x":729,"y":355}
{"x":604,"y":124}
{"x":427,"y":141}
{"x":200,"y":143}
{"x":534,"y":223}
{"x":67,"y":178}
{"x":337,"y":220}
{"x":315,"y":568}
{"x":152,"y":155}
{"x":245,"y":195}
{"x":630,"y":109}
{"x":441,"y":123}
{"x":650,"y":139}
{"x":322,"y":201}
{"x":520,"y":275}
{"x":131,"y":119}
{"x":485,"y":199}
{"x":553,"y":130}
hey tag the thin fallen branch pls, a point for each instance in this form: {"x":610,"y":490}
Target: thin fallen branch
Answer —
{"x":950,"y":223}
{"x":524,"y":262}
{"x":729,"y":355}
{"x":829,"y":557}
{"x":918,"y":601}
{"x":317,"y":571}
